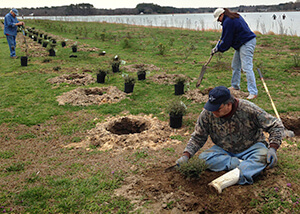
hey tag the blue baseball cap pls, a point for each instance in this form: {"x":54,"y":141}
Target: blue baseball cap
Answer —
{"x":15,"y":11}
{"x":217,"y":96}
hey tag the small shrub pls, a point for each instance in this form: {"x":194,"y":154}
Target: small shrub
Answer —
{"x":102,"y":36}
{"x":126,"y":43}
{"x":129,"y":79}
{"x":189,"y":50}
{"x":101,"y":71}
{"x":46,"y":60}
{"x":56,"y":68}
{"x":15,"y":167}
{"x":296,"y":59}
{"x":177,"y":108}
{"x":171,"y":42}
{"x":161,"y":49}
{"x":193,"y":168}
{"x":141,"y":71}
{"x":180,"y":80}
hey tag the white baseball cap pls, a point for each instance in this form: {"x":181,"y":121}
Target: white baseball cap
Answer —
{"x":217,"y":13}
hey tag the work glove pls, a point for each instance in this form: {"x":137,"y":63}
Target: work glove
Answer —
{"x":271,"y":157}
{"x":182,"y":160}
{"x":214,"y":50}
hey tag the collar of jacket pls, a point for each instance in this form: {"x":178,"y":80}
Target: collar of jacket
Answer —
{"x":233,"y":110}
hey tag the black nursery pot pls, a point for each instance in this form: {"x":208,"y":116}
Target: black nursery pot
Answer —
{"x":179,"y":89}
{"x":24,"y":60}
{"x":63,"y":44}
{"x":115,"y":68}
{"x":45,"y":44}
{"x":175,"y":121}
{"x":128,"y":88}
{"x":141,"y":76}
{"x":101,"y":78}
{"x":51,"y":52}
{"x":74,"y":49}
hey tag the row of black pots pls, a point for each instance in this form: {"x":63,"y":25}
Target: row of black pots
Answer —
{"x":101,"y":77}
{"x":52,"y":51}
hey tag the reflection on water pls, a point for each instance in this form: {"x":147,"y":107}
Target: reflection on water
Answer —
{"x":277,"y":22}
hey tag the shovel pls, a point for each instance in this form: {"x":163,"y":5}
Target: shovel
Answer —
{"x":22,"y":28}
{"x":203,"y":71}
{"x":287,"y":133}
{"x":171,"y":168}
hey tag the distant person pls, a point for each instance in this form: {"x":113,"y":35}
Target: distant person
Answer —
{"x":11,"y":24}
{"x":237,"y":34}
{"x":283,"y":16}
{"x":236,"y":128}
{"x":274,"y":16}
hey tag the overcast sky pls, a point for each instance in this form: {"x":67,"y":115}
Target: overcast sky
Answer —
{"x":112,"y":4}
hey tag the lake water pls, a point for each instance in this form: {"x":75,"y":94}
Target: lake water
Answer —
{"x":262,"y":22}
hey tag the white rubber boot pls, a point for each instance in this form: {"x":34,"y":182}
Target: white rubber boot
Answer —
{"x":228,"y":179}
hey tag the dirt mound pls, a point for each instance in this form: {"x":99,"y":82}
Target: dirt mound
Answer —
{"x":201,"y":96}
{"x":74,"y":79}
{"x":197,"y":95}
{"x":129,"y":132}
{"x":172,"y":193}
{"x":239,"y":94}
{"x":167,"y":79}
{"x":291,"y":122}
{"x":91,"y":96}
{"x":136,"y":67}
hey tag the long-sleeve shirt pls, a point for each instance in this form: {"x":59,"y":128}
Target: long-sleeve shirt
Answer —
{"x":10,"y":27}
{"x":235,"y":33}
{"x":238,"y":132}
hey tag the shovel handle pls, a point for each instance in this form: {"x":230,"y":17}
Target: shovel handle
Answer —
{"x":260,"y":74}
{"x":266,"y":88}
{"x":209,"y":60}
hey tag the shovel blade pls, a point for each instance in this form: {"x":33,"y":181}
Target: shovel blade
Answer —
{"x":201,"y":76}
{"x":171,"y":168}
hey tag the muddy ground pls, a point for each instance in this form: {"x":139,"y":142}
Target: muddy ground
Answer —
{"x":150,"y":189}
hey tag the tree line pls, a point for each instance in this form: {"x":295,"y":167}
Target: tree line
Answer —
{"x":86,"y":9}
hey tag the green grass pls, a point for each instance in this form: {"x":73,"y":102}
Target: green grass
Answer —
{"x":68,"y":195}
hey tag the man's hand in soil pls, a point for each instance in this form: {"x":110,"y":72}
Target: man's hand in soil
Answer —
{"x":271,"y":157}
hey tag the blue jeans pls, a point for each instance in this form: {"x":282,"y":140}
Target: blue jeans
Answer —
{"x":243,"y":59}
{"x":254,"y":161}
{"x":11,"y":40}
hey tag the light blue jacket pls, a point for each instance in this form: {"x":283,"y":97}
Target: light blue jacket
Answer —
{"x":10,"y":27}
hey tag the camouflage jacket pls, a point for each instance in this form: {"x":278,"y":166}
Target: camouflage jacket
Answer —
{"x":237,"y":133}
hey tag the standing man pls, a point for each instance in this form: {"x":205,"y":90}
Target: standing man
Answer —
{"x":236,"y":128}
{"x":11,"y":24}
{"x":237,"y":34}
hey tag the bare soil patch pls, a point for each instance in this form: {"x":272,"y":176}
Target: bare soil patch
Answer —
{"x":167,"y":79}
{"x":129,"y":132}
{"x":91,"y":96}
{"x":73,"y":79}
{"x":201,"y":96}
{"x":136,"y":67}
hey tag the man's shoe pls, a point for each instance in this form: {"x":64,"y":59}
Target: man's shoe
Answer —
{"x":233,"y":88}
{"x":14,"y":57}
{"x":251,"y":97}
{"x":228,"y":179}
